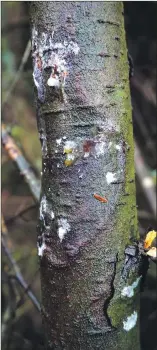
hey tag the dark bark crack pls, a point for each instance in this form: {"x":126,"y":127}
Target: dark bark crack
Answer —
{"x":111,"y":295}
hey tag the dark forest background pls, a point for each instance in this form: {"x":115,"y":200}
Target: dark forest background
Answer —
{"x":21,"y":321}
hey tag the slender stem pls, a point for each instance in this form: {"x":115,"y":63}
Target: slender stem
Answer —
{"x":20,"y":213}
{"x":19,"y":276}
{"x":15,"y":154}
{"x":145,"y":179}
{"x":18,"y":73}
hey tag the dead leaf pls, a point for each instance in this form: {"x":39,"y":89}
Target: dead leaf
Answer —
{"x":151,"y":235}
{"x":152,"y":252}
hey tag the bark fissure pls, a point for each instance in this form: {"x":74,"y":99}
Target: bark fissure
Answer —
{"x":107,"y":301}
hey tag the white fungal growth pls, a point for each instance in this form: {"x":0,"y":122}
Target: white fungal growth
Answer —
{"x":69,"y":146}
{"x":73,"y":47}
{"x":110,"y":177}
{"x":130,"y":321}
{"x":57,"y":60}
{"x":53,"y":81}
{"x":100,"y":148}
{"x":41,"y":249}
{"x":52,"y":215}
{"x":48,"y":54}
{"x":86,"y":155}
{"x":44,"y":144}
{"x":43,"y":205}
{"x":110,"y":144}
{"x":70,"y":157}
{"x":45,"y":209}
{"x":118,"y":147}
{"x":35,"y":81}
{"x":63,"y":228}
{"x":129,"y":290}
{"x":59,"y":141}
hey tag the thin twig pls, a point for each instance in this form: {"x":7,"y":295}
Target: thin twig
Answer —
{"x":19,"y":276}
{"x":20,"y":302}
{"x":10,"y":310}
{"x":18,"y":73}
{"x":20,"y":213}
{"x":143,"y":214}
{"x":16,"y":155}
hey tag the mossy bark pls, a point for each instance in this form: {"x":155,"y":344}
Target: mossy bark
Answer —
{"x":85,"y":125}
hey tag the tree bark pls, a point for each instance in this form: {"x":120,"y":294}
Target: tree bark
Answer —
{"x":87,"y":226}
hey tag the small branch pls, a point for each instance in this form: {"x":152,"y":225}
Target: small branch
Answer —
{"x":20,"y":302}
{"x":16,"y":155}
{"x":9,"y":313}
{"x":14,"y":25}
{"x":18,"y":73}
{"x":20,"y":213}
{"x":145,"y":180}
{"x":142,"y":214}
{"x":19,"y":276}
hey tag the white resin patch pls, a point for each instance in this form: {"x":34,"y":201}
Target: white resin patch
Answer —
{"x":63,"y":228}
{"x":41,"y":249}
{"x":129,"y":290}
{"x":130,"y":321}
{"x":110,"y":177}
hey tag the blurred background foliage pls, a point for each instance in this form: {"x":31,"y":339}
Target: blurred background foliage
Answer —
{"x":21,"y":322}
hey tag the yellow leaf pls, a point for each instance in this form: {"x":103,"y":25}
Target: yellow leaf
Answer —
{"x":152,"y":252}
{"x":151,"y":235}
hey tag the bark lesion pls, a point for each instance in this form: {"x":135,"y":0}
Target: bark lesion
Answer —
{"x":102,"y":293}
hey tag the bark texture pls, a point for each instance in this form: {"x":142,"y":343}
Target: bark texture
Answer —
{"x":87,"y":210}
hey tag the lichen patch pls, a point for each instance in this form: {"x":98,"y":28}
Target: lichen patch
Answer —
{"x":41,"y":249}
{"x":110,"y":177}
{"x":130,"y":322}
{"x":128,"y":291}
{"x":63,"y":228}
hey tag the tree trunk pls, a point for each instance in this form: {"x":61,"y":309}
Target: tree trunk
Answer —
{"x":87,"y":226}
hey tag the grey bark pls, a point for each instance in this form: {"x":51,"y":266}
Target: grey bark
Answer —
{"x":87,"y":209}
